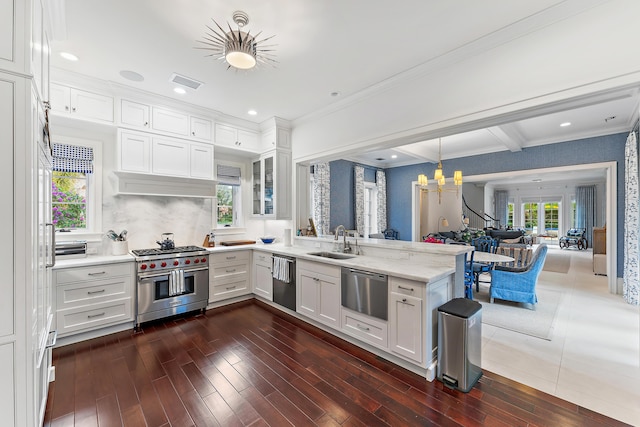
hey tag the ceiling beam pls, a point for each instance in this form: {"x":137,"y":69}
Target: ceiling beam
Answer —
{"x":508,"y":135}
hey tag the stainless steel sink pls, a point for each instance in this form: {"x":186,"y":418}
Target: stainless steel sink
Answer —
{"x":333,"y":255}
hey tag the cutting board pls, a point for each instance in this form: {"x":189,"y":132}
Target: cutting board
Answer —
{"x":237,"y":242}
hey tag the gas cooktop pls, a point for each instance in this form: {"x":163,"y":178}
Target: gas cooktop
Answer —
{"x":176,"y":250}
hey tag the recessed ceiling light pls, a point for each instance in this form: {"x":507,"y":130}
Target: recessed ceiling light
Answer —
{"x":394,"y":156}
{"x":379,"y":159}
{"x":179,"y":90}
{"x":131,"y":75}
{"x":609,"y":118}
{"x":252,"y":112}
{"x":69,"y":56}
{"x":565,"y":124}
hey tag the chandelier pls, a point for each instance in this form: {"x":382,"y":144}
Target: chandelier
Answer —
{"x":238,"y":48}
{"x":439,"y":178}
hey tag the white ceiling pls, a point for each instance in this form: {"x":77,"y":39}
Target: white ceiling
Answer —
{"x":321,"y":47}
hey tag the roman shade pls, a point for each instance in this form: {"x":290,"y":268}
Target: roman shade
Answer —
{"x":228,"y":175}
{"x":72,"y":158}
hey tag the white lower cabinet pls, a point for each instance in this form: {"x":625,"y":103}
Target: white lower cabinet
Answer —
{"x":88,"y":298}
{"x":366,"y":328}
{"x":318,"y":292}
{"x":405,"y":319}
{"x":229,"y":275}
{"x":262,"y":275}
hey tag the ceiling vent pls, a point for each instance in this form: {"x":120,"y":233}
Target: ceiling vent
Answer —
{"x":185,"y":81}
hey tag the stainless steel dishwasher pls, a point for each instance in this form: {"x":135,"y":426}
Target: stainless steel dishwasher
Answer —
{"x":365,"y":292}
{"x":284,"y":281}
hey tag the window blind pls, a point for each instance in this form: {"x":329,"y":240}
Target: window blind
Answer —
{"x":72,"y":158}
{"x":228,"y":175}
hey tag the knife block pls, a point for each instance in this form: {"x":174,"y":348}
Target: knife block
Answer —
{"x":206,"y":243}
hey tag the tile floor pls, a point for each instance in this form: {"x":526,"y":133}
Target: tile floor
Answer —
{"x":593,"y":358}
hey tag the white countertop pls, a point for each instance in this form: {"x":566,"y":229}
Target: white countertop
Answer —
{"x":426,"y":270}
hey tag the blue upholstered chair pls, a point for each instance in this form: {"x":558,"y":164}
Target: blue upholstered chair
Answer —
{"x":483,"y":244}
{"x":390,"y":234}
{"x":468,"y":275}
{"x":518,"y":283}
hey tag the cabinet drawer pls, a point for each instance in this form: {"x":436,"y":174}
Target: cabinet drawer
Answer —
{"x":227,"y":257}
{"x":365,"y":328}
{"x":229,"y":288}
{"x":93,"y":316}
{"x":320,"y":268}
{"x":232,"y":269}
{"x":95,"y":272}
{"x":261,"y":258}
{"x":84,"y":293}
{"x":407,"y":287}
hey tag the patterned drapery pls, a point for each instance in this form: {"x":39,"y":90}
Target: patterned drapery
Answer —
{"x":381,"y":184}
{"x":631,"y":275}
{"x":586,"y":209}
{"x":321,"y":197}
{"x":72,"y":158}
{"x":358,"y":188}
{"x":501,"y":200}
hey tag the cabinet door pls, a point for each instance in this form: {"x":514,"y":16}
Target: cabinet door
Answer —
{"x":134,"y":152}
{"x":329,"y":302}
{"x":282,"y":194}
{"x":60,"y":98}
{"x":201,"y":128}
{"x":405,"y":321}
{"x":307,"y":294}
{"x":92,"y":105}
{"x":248,"y":140}
{"x":201,"y":161}
{"x":256,"y":187}
{"x":263,"y":281}
{"x":225,"y":135}
{"x":268,"y":180}
{"x":134,"y":114}
{"x":170,"y":157}
{"x":170,"y":121}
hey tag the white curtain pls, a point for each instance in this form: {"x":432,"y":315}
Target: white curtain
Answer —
{"x":586,"y":209}
{"x":321,"y":197}
{"x":501,"y":199}
{"x":631,"y":275}
{"x":358,"y":187}
{"x":381,"y":183}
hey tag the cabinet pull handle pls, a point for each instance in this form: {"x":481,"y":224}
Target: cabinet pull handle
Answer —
{"x":146,"y":123}
{"x":73,"y":109}
{"x":51,"y":342}
{"x":362,"y":327}
{"x":232,"y":270}
{"x":95,"y":292}
{"x":169,"y":145}
{"x":99,"y":273}
{"x":406,"y":289}
{"x":230,"y":287}
{"x":53,"y":245}
{"x":404,"y":301}
{"x":231,"y":257}
{"x":66,"y":108}
{"x":316,"y":279}
{"x":91,"y":316}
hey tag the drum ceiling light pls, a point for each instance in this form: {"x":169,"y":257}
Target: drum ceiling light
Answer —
{"x":238,"y":48}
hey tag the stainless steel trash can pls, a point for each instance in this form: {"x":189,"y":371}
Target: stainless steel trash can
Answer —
{"x":460,"y":343}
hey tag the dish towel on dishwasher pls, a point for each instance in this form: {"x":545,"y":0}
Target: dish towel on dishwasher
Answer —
{"x":281,"y":269}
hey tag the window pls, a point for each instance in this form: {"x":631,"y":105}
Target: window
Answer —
{"x":69,"y":200}
{"x":551,"y":215}
{"x":370,"y":209}
{"x":510,"y":207}
{"x":76,"y":188}
{"x":530,"y":211}
{"x":228,"y":196}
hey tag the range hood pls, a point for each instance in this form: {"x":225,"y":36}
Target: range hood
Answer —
{"x":159,"y":185}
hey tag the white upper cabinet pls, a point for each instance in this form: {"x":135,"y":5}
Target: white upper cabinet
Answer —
{"x":201,"y":129}
{"x":241,"y":139}
{"x":170,"y":156}
{"x":201,"y":161}
{"x":134,"y":151}
{"x":170,"y":121}
{"x":134,"y":114}
{"x":81,"y":104}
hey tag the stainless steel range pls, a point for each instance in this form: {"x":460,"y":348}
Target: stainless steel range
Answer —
{"x":171,"y":281}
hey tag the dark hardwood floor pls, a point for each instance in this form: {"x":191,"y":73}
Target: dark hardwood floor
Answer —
{"x":248,"y":364}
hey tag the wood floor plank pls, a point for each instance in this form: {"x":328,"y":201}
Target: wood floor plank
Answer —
{"x":248,"y":364}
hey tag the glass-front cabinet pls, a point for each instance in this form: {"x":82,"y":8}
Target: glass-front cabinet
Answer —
{"x":271,"y":185}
